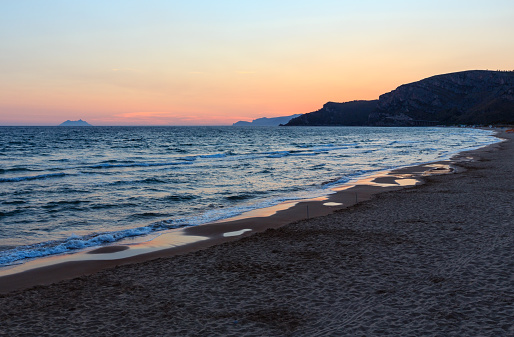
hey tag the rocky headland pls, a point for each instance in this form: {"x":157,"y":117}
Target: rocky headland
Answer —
{"x":475,"y":97}
{"x":265,"y":121}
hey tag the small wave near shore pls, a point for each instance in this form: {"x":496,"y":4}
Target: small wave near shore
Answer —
{"x":116,"y":182}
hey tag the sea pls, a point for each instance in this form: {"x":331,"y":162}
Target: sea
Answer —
{"x":66,"y":189}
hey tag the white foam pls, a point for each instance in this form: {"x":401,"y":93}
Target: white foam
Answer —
{"x":340,"y":170}
{"x":75,"y":242}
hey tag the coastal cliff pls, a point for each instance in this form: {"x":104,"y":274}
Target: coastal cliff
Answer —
{"x":470,"y":97}
{"x":264,"y":121}
{"x":353,"y":113}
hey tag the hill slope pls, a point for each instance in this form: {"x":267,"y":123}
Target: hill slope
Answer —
{"x":468,"y":97}
{"x":80,"y":122}
{"x":265,"y":121}
{"x":347,"y":114}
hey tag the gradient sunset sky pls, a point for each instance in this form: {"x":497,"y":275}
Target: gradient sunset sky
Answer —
{"x":216,"y":62}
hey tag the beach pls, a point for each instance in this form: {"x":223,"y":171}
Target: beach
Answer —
{"x":431,"y":260}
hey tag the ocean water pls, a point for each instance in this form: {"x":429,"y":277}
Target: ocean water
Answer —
{"x":68,"y":188}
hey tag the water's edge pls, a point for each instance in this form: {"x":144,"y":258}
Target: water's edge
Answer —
{"x":136,"y":237}
{"x":179,"y":241}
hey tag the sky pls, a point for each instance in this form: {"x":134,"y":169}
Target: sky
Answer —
{"x":198,"y":62}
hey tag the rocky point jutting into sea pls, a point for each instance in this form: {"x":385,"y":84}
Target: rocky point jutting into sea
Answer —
{"x":475,"y":97}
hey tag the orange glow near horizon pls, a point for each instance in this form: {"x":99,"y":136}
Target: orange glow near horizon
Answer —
{"x":173,"y":64}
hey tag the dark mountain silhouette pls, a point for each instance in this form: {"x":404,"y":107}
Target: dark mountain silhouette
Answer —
{"x":264,"y":121}
{"x":80,"y":122}
{"x":469,"y":97}
{"x":347,"y":114}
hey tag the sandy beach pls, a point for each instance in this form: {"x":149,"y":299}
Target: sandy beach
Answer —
{"x":431,"y":260}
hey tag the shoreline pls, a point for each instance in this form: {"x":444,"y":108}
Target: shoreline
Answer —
{"x":48,"y":270}
{"x":434,"y":260}
{"x":52,"y":269}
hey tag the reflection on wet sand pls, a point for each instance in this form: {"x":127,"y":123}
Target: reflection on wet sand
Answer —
{"x":255,"y":220}
{"x":236,"y":233}
{"x":332,"y":204}
{"x":172,"y":239}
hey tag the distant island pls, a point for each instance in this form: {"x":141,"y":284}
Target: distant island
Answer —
{"x":474,"y":97}
{"x":264,"y":121}
{"x":80,"y":122}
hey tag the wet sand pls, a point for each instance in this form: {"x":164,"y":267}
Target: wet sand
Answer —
{"x":433,"y":260}
{"x":52,"y":269}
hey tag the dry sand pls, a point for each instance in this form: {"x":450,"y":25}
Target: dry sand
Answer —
{"x":434,"y":260}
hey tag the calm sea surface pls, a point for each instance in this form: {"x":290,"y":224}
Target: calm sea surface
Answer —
{"x":68,"y":188}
